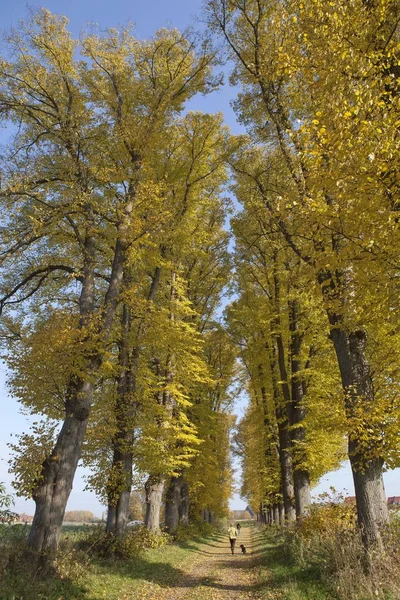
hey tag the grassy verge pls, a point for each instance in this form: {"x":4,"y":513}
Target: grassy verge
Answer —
{"x":279,"y":578}
{"x":81,"y":578}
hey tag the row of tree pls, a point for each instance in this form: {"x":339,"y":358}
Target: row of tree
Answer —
{"x":113,"y":260}
{"x":317,"y":249}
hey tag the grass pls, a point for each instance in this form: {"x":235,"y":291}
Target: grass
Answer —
{"x":279,"y":578}
{"x":277,"y":570}
{"x":97,"y":578}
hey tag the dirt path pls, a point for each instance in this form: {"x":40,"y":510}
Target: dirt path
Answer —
{"x":215,"y":574}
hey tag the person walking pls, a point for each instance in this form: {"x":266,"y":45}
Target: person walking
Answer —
{"x":232,"y":532}
{"x":238,"y":527}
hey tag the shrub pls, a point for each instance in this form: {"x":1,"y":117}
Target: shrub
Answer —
{"x":194,"y":530}
{"x":329,"y":542}
{"x":130,"y":546}
{"x":12,"y":545}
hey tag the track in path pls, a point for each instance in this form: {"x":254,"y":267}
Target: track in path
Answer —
{"x":215,"y":574}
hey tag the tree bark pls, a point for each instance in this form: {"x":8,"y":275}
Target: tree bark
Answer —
{"x":154,"y":490}
{"x":184,"y":504}
{"x":52,"y":493}
{"x":275,"y":513}
{"x":297,"y":414}
{"x":54,"y":487}
{"x":285,"y":455}
{"x":119,"y":488}
{"x":356,"y":377}
{"x":173,"y":499}
{"x":293,"y":397}
{"x":121,"y":480}
{"x":281,"y":515}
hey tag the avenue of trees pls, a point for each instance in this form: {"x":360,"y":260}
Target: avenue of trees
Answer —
{"x":115,"y":258}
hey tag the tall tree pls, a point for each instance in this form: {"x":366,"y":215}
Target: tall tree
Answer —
{"x":319,"y":85}
{"x":85,"y":130}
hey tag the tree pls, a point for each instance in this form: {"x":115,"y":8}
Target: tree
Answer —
{"x":319,"y":86}
{"x":79,"y":516}
{"x":190,"y":167}
{"x":76,"y":178}
{"x":278,"y":325}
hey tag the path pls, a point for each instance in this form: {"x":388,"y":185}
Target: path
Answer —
{"x":215,"y":574}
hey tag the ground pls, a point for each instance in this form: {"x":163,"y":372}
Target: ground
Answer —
{"x":215,"y":574}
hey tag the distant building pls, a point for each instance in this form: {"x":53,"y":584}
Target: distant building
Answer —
{"x":23,"y":518}
{"x":393,"y":501}
{"x":350,"y":500}
{"x":239,"y":515}
{"x":250,"y":511}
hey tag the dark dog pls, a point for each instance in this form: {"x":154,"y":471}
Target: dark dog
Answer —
{"x":244,"y":551}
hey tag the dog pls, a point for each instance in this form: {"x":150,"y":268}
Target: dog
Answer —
{"x":243,"y":548}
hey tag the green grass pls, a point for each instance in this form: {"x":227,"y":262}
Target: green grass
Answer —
{"x":279,"y":578}
{"x":153,"y":573}
{"x":96,"y":579}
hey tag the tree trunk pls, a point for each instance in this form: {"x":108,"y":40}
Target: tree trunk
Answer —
{"x":293,"y":397}
{"x":58,"y":470}
{"x":372,"y":508}
{"x":286,"y":467}
{"x":184,"y":504}
{"x":285,"y":455}
{"x":118,"y":515}
{"x":173,"y":498}
{"x":281,"y":515}
{"x":52,"y":494}
{"x":297,"y":414}
{"x":302,"y":493}
{"x":154,"y":490}
{"x":275,"y":512}
{"x":120,"y":484}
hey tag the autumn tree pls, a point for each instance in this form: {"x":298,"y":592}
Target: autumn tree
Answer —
{"x":71,"y":189}
{"x":319,"y":86}
{"x":209,"y":475}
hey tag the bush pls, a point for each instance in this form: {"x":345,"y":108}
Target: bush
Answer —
{"x":194,"y":530}
{"x":329,"y":542}
{"x":130,"y":546}
{"x":12,"y":545}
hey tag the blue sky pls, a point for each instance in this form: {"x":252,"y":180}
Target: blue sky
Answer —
{"x":148,"y":16}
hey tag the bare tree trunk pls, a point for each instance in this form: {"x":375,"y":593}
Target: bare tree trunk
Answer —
{"x":184,"y":504}
{"x":281,"y":515}
{"x":293,"y":397}
{"x":285,"y":455}
{"x":297,"y":414}
{"x":275,"y":513}
{"x":120,"y":484}
{"x":58,"y":470}
{"x":154,"y":490}
{"x":367,"y":473}
{"x":172,"y":502}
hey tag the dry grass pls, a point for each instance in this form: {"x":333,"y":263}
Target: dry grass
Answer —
{"x":336,"y":552}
